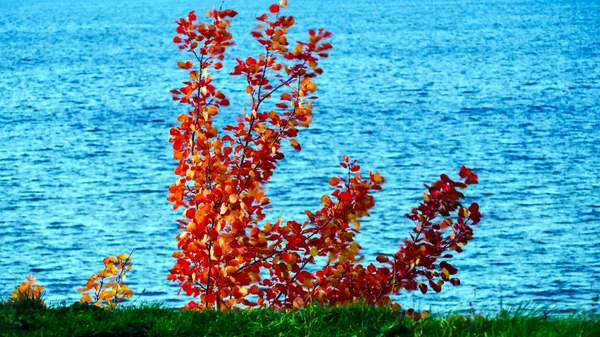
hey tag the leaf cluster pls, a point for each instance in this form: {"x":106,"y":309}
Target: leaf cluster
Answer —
{"x":28,"y":294}
{"x":227,"y":257}
{"x":107,"y":286}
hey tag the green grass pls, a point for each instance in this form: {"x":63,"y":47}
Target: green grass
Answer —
{"x":31,"y":319}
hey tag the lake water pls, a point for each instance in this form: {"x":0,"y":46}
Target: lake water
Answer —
{"x":412,"y":89}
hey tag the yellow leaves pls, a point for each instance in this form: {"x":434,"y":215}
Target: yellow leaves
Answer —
{"x":354,"y":247}
{"x":332,"y":257}
{"x":229,"y":270}
{"x":307,"y":86}
{"x":276,"y":45}
{"x":127,"y":293}
{"x":244,"y":291}
{"x":314,"y":251}
{"x":107,"y":285}
{"x":196,"y":159}
{"x":445,"y":224}
{"x":464,"y":212}
{"x":107,"y":295}
{"x":28,"y":291}
{"x":326,"y":200}
{"x":308,"y":282}
{"x":377,"y":178}
{"x":355,"y":223}
{"x":254,"y":277}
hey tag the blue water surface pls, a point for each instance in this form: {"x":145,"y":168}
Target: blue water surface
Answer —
{"x":412,"y":89}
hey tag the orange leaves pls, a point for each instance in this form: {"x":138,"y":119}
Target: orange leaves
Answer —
{"x":376,"y":178}
{"x":307,"y":86}
{"x":185,"y":65}
{"x":177,"y":255}
{"x":107,"y":285}
{"x":28,"y":291}
{"x":295,"y":144}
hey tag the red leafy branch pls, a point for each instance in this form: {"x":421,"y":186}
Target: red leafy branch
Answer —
{"x":228,"y":258}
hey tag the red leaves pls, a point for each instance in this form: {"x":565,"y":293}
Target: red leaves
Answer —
{"x":474,"y":214}
{"x":382,"y":259}
{"x":274,"y":8}
{"x":344,"y":196}
{"x":470,"y":177}
{"x":229,"y":257}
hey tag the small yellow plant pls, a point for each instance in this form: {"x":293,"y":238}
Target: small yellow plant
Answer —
{"x":107,"y":285}
{"x":28,"y":291}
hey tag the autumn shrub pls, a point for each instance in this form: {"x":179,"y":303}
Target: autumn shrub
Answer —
{"x":227,"y":256}
{"x":28,"y":294}
{"x":107,"y":286}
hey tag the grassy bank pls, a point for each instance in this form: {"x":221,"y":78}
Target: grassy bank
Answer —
{"x":30,"y":320}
